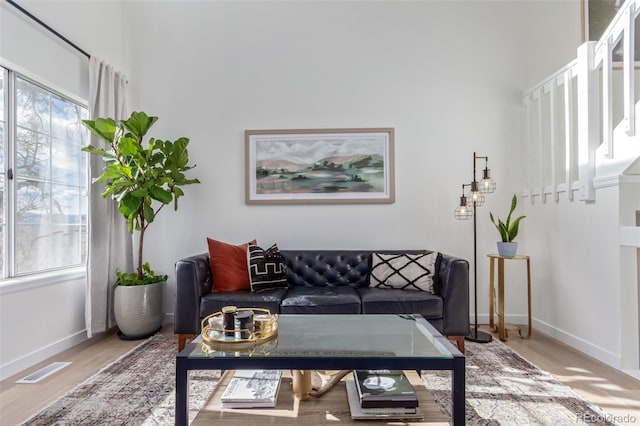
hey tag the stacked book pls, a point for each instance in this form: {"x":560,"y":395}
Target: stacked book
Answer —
{"x":382,"y":394}
{"x":252,"y":389}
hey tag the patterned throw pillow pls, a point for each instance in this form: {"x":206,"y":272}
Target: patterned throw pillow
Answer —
{"x":403,"y":271}
{"x":266,"y":269}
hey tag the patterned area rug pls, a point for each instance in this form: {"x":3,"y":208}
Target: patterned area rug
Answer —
{"x":139,"y":389}
{"x":503,"y":388}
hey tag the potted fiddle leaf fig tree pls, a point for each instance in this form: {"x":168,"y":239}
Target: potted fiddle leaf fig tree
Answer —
{"x":508,"y":231}
{"x":141,"y":179}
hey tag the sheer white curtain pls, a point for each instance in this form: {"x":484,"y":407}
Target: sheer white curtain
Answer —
{"x":110,"y":245}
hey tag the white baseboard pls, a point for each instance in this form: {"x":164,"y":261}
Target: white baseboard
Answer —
{"x":14,"y":367}
{"x":580,"y":344}
{"x":575,"y":342}
{"x":633,"y":373}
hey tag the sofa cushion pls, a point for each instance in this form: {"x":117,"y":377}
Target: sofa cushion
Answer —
{"x":323,"y":268}
{"x":403,"y":271}
{"x":229,"y":266}
{"x":267,"y":299}
{"x":265,"y":268}
{"x":320,"y":300}
{"x":394,"y":301}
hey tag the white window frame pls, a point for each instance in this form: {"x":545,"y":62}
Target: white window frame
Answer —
{"x":9,"y":278}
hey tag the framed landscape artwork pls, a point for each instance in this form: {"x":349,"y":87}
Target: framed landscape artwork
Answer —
{"x":319,"y":166}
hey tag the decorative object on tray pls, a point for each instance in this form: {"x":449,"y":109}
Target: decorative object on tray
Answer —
{"x":384,"y":389}
{"x":359,"y":413}
{"x":252,"y":388}
{"x":237,"y":329}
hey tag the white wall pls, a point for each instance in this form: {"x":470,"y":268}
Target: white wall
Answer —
{"x":576,"y":270}
{"x":42,"y":316}
{"x":448,"y":76}
{"x":586,"y":284}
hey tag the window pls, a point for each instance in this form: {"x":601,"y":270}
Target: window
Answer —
{"x":43,"y":215}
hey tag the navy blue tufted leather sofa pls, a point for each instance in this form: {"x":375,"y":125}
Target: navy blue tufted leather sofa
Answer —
{"x":327,"y":282}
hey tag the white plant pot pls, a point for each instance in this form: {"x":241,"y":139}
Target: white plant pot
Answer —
{"x":507,"y":249}
{"x":139,"y":309}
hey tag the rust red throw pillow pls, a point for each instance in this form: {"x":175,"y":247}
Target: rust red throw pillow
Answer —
{"x":229,"y":266}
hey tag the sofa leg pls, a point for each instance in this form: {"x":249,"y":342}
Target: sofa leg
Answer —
{"x":459,"y":341}
{"x":182,"y":340}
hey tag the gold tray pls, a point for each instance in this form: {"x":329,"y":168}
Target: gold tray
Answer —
{"x":213,"y":337}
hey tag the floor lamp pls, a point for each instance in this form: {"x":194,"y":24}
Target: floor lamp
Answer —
{"x":475,"y":198}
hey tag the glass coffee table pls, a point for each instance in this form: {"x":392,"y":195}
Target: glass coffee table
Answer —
{"x":335,"y":342}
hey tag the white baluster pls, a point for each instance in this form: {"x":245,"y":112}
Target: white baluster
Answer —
{"x":568,"y":131}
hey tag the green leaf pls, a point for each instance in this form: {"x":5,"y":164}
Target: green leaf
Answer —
{"x":97,"y":151}
{"x":128,"y":147}
{"x":149,"y":214}
{"x":513,"y":231}
{"x":139,"y":193}
{"x":160,"y":194}
{"x":104,"y":128}
{"x":129,"y":204}
{"x":139,"y":124}
{"x":508,"y":230}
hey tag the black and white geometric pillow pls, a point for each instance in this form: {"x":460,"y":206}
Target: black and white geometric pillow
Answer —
{"x":403,"y":271}
{"x":266,"y":269}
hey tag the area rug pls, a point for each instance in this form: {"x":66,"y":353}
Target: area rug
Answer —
{"x":139,"y":389}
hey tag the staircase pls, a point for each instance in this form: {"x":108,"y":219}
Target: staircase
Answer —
{"x":582,"y":181}
{"x":581,"y":122}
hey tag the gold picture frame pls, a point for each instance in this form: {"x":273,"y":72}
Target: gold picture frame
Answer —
{"x":319,"y":166}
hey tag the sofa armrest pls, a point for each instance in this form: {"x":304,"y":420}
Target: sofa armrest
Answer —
{"x":193,"y":279}
{"x":454,"y":276}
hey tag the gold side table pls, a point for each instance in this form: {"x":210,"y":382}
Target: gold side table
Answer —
{"x":501,"y":327}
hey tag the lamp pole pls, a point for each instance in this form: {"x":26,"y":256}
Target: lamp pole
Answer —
{"x":487,"y":185}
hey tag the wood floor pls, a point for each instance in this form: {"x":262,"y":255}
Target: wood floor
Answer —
{"x":613,"y":391}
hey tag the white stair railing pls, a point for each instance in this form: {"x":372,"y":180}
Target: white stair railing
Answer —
{"x":572,"y":116}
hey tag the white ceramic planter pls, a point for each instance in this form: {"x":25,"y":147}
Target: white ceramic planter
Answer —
{"x":139,"y":310}
{"x":507,"y":249}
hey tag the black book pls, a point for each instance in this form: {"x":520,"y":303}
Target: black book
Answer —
{"x":384,"y":389}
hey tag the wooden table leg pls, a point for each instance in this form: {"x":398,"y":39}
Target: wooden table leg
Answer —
{"x":492,"y":326}
{"x":502,"y":333}
{"x":528,"y":301}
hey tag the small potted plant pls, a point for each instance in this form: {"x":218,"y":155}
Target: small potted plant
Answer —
{"x":508,"y":231}
{"x":141,"y":180}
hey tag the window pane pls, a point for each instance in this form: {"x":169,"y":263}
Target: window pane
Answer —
{"x":1,"y":94}
{"x":2,"y":171}
{"x":2,"y":177}
{"x":32,"y":226}
{"x":65,"y":203}
{"x":50,"y":228}
{"x":50,"y":180}
{"x":66,"y":120}
{"x":32,"y":106}
{"x":33,"y":154}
